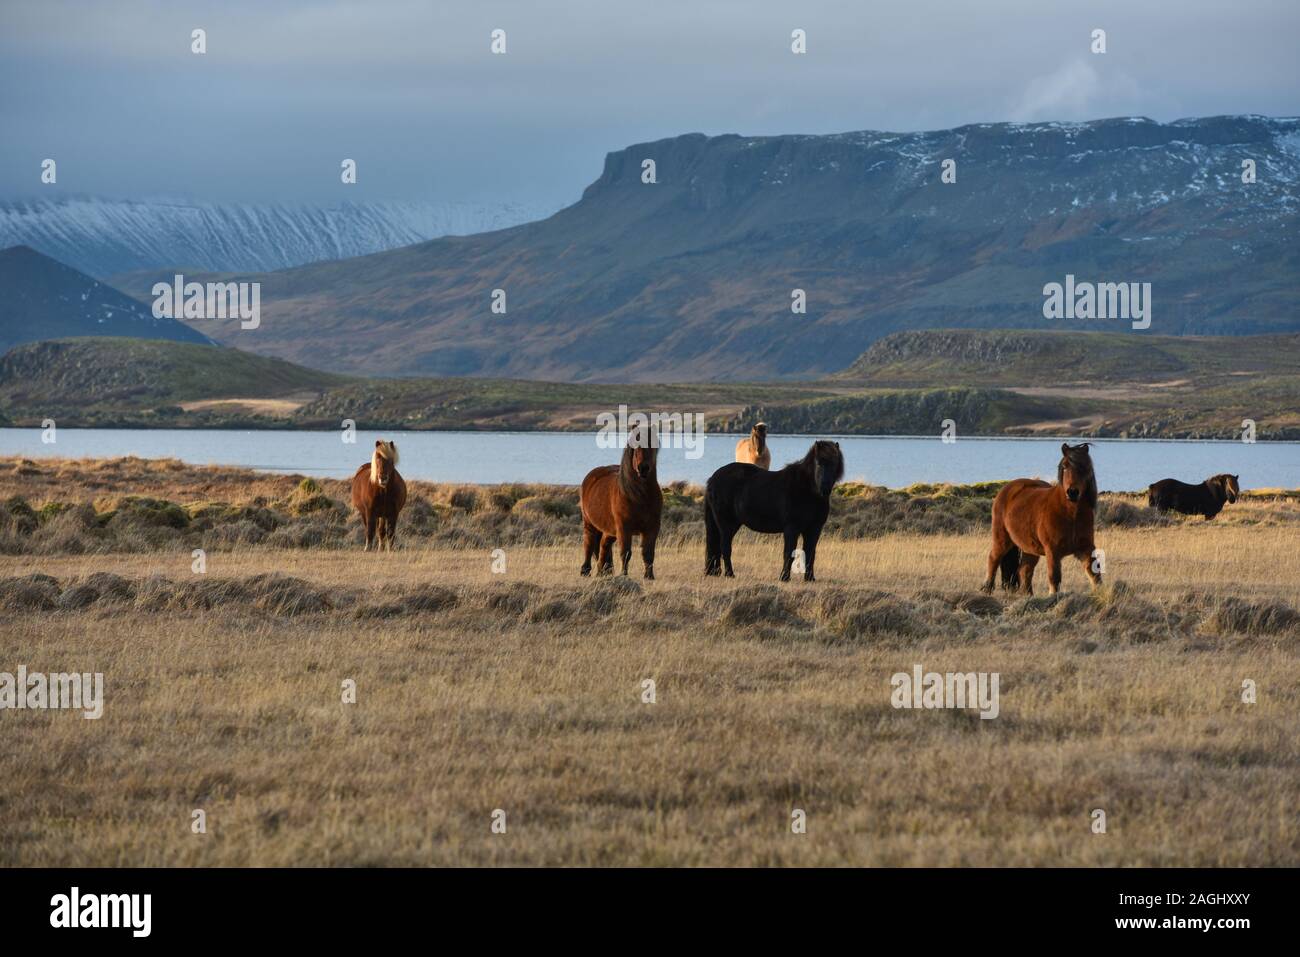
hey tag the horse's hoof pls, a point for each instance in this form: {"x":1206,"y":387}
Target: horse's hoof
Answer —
{"x":650,"y":575}
{"x":585,"y":571}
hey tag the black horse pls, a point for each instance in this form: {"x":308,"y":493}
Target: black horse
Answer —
{"x":1206,"y":499}
{"x":794,"y":501}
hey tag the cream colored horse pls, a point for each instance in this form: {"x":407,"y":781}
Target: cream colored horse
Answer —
{"x":754,"y":449}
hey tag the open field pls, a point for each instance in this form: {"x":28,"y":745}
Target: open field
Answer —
{"x":522,"y":690}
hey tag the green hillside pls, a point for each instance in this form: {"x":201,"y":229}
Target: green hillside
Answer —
{"x":988,"y":383}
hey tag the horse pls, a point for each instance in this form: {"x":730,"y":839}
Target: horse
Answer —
{"x":1206,"y":499}
{"x":1033,"y":519}
{"x":619,"y":501}
{"x":378,"y":494}
{"x":792,"y":502}
{"x":754,"y":449}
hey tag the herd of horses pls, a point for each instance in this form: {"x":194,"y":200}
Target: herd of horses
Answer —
{"x":1032,"y":519}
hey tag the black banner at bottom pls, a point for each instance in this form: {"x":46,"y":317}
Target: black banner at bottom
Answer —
{"x":333,"y":906}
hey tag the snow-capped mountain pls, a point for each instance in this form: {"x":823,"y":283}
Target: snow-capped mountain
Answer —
{"x":44,"y":299}
{"x":105,"y":237}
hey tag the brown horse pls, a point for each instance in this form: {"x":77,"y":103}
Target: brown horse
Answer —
{"x":1032,"y":518}
{"x":619,"y":501}
{"x":378,"y":494}
{"x":754,"y":449}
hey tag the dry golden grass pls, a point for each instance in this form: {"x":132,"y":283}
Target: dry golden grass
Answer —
{"x":523,"y":692}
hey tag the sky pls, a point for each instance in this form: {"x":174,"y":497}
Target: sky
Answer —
{"x":411,"y":91}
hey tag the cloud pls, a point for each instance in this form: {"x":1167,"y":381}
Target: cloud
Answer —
{"x":1067,"y":94}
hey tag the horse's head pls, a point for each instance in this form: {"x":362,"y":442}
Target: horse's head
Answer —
{"x":383,"y":464}
{"x":1074,"y":473}
{"x":759,"y":434}
{"x":1228,"y":483}
{"x":641,"y":457}
{"x":827,"y":465}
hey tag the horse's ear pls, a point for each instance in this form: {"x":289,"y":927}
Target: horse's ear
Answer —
{"x":1065,"y":448}
{"x":378,"y":442}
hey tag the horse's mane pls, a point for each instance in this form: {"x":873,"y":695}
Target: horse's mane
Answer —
{"x":758,"y":435}
{"x":387,"y":450}
{"x":1220,"y":482}
{"x":807,"y":466}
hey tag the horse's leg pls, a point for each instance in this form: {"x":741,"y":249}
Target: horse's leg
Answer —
{"x":1001,"y":545}
{"x":791,"y":543}
{"x":1093,"y":575}
{"x":728,"y":532}
{"x":606,"y":555}
{"x":590,"y":546}
{"x":1053,"y":572}
{"x":624,"y":546}
{"x":370,"y":520}
{"x":1027,"y":564}
{"x":810,"y":537}
{"x":648,"y":552}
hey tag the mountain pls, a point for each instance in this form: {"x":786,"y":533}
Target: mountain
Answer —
{"x":690,"y":278}
{"x":106,"y":237}
{"x":44,"y":299}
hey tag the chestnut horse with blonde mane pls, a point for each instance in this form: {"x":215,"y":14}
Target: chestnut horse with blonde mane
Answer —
{"x":619,"y":501}
{"x":754,"y":450}
{"x":378,"y":494}
{"x":1033,"y":519}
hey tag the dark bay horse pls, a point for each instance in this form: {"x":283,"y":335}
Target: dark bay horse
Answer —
{"x":619,"y":501}
{"x":1206,"y":499}
{"x":1033,"y":519}
{"x":793,"y":502}
{"x":378,"y":494}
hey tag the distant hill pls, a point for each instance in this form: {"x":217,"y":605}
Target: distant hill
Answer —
{"x":41,"y":298}
{"x":72,"y":378}
{"x":690,"y":278}
{"x":109,"y":237}
{"x":1002,"y":357}
{"x":989,"y":383}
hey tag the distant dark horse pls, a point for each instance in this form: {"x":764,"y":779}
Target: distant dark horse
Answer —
{"x":378,"y":494}
{"x":619,"y":501}
{"x":1206,"y":499}
{"x":794,"y":501}
{"x":1032,"y":518}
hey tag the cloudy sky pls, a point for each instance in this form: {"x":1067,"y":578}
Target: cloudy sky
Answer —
{"x":411,"y":91}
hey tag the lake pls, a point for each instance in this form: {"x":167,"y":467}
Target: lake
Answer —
{"x":565,"y":457}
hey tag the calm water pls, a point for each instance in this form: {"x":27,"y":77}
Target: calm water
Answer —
{"x":560,"y":457}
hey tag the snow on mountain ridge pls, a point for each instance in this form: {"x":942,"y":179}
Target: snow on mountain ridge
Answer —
{"x":104,"y":237}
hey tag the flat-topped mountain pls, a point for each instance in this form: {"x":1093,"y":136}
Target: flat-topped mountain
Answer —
{"x":691,"y":277}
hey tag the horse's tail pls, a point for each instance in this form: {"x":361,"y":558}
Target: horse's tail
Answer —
{"x":712,"y":539}
{"x":1010,"y":566}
